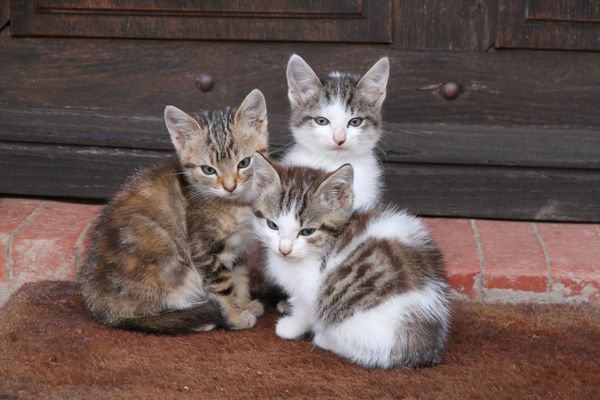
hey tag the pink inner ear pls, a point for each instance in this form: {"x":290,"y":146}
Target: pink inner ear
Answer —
{"x":182,"y":137}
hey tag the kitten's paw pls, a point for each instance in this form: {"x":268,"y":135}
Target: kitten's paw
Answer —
{"x":290,"y":328}
{"x":284,"y":307}
{"x":205,"y":328}
{"x":255,"y":307}
{"x":245,"y":320}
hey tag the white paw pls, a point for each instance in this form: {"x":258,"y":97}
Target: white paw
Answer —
{"x":290,"y":328}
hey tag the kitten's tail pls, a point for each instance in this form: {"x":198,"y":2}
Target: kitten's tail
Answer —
{"x":198,"y":318}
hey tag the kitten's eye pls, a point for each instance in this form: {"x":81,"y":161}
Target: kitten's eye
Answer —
{"x":244,"y":163}
{"x":208,"y":170}
{"x":321,"y":121}
{"x":355,"y":122}
{"x":272,"y":225}
{"x":307,"y":231}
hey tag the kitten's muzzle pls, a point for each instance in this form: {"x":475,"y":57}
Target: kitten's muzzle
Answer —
{"x":285,"y":247}
{"x":230,"y":187}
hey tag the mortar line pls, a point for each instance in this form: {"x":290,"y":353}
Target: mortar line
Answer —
{"x":598,"y":229}
{"x":481,"y":258}
{"x":11,"y":238}
{"x":79,"y":243}
{"x":538,"y":235}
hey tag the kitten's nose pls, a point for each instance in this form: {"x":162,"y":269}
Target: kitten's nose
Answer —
{"x":285,"y":247}
{"x":229,"y":186}
{"x":339,"y":136}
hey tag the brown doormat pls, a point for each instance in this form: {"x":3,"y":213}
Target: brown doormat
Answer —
{"x":51,"y":348}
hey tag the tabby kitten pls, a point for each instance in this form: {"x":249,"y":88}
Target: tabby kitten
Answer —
{"x":338,"y":120}
{"x":369,"y":285}
{"x":167,"y":254}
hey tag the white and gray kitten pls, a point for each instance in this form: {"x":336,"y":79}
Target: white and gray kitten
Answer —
{"x":369,"y":285}
{"x":338,"y":120}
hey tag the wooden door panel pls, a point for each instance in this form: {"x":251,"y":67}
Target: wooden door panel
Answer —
{"x":564,"y":11}
{"x":350,"y":8}
{"x":544,"y":24}
{"x":315,"y":20}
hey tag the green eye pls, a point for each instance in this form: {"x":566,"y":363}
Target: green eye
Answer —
{"x":355,"y":122}
{"x":272,"y":225}
{"x":321,"y":121}
{"x":208,"y":170}
{"x":307,"y":231}
{"x":244,"y":163}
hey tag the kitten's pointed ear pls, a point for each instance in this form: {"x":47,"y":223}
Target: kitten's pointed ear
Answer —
{"x":336,"y":190}
{"x":266,"y":177}
{"x":252,"y":113}
{"x":182,"y":127}
{"x":303,"y":83}
{"x":373,"y":84}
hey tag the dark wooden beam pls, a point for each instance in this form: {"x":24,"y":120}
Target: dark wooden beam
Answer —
{"x":137,"y":78}
{"x":436,"y":190}
{"x":423,"y":143}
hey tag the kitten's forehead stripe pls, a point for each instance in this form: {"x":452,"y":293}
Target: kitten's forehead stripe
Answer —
{"x":218,"y":124}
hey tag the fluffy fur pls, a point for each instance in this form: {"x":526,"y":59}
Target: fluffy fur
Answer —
{"x":336,"y":121}
{"x":167,"y":254}
{"x":369,"y":285}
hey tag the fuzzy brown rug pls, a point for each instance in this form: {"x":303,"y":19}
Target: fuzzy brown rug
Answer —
{"x":51,"y":348}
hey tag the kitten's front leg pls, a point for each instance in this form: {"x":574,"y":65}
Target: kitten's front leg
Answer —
{"x":222,"y":284}
{"x":295,"y":325}
{"x":242,"y":287}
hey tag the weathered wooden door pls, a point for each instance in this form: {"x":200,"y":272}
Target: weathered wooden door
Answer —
{"x":83,"y":85}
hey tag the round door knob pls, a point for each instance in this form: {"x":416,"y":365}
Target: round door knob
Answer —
{"x":450,"y":90}
{"x":205,"y":83}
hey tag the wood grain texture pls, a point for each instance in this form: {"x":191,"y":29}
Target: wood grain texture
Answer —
{"x":4,"y":13}
{"x":346,"y":21}
{"x":444,"y":25}
{"x":137,"y":78}
{"x":495,"y":192}
{"x":521,"y":141}
{"x":70,"y":171}
{"x":433,"y":144}
{"x":564,"y":10}
{"x":436,"y":190}
{"x":572,"y":26}
{"x":220,"y":7}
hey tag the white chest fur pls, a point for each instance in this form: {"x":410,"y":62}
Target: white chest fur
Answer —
{"x":367,"y":171}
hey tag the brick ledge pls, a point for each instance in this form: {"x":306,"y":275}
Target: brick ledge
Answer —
{"x":487,"y":261}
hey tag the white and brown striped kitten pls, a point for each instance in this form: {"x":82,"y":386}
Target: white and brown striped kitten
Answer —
{"x":369,"y":285}
{"x":338,"y":120}
{"x":168,"y":252}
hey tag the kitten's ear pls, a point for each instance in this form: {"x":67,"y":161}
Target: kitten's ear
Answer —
{"x":336,"y":190}
{"x":266,"y":176}
{"x":182,"y":127}
{"x":303,"y":83}
{"x":252,"y":113}
{"x":373,"y":84}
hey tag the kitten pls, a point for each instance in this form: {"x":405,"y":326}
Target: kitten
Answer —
{"x":337,"y":121}
{"x":369,"y":285}
{"x":167,"y":254}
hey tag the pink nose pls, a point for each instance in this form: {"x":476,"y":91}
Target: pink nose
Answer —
{"x":340,"y":142}
{"x":230,"y":187}
{"x":285,"y":247}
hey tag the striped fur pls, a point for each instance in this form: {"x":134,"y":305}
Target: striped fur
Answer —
{"x":167,"y":253}
{"x":338,"y":98}
{"x":369,"y":285}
